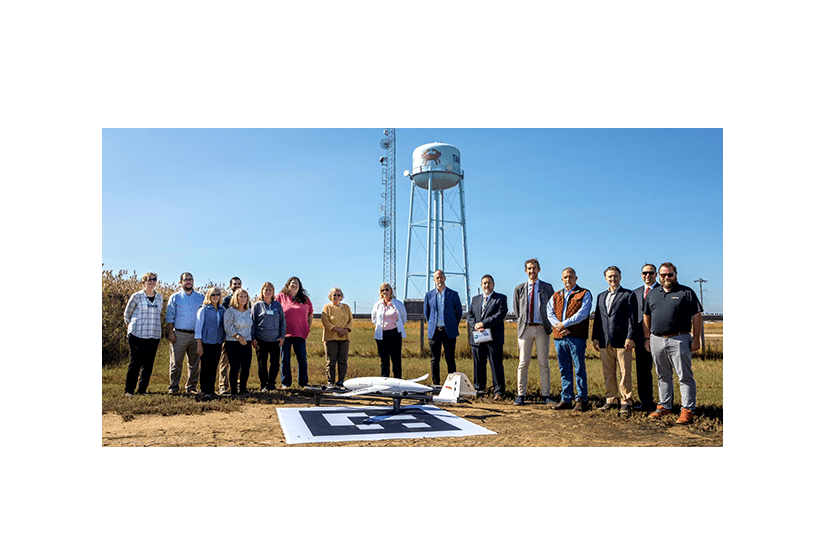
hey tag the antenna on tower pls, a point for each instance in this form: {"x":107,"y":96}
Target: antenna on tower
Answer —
{"x":387,"y":219}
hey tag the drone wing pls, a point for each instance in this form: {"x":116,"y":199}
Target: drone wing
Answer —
{"x":362,"y":391}
{"x":420,"y":378}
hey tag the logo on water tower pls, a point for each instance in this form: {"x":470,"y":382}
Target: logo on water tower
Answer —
{"x":430,"y":155}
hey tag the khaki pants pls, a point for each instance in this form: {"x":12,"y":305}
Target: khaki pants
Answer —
{"x":612,"y":356}
{"x":336,"y":352}
{"x":184,"y":346}
{"x":223,"y":372}
{"x":534,"y":333}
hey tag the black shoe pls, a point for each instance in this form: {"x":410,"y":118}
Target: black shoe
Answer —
{"x":547,"y":400}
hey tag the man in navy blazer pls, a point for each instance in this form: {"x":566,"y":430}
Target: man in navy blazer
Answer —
{"x":486,"y":313}
{"x":614,"y":325}
{"x":442,"y":308}
{"x":644,"y":360}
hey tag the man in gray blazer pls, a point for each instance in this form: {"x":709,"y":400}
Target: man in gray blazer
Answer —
{"x":614,"y":324}
{"x":530,"y":306}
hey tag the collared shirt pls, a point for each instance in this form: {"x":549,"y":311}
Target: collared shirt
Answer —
{"x":611,"y":296}
{"x":439,"y":306}
{"x":578,"y":317}
{"x":182,"y":309}
{"x":142,"y":316}
{"x":209,"y":325}
{"x":671,"y":312}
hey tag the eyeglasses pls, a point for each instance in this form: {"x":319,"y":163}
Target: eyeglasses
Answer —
{"x":385,"y":290}
{"x":187,"y":280}
{"x":337,"y":295}
{"x":649,"y":273}
{"x":667,"y":275}
{"x":152,"y":279}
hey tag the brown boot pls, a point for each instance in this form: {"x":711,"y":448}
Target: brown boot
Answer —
{"x":659,"y":412}
{"x":686,"y":417}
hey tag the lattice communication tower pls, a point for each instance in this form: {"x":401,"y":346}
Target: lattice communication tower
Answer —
{"x":387,"y":219}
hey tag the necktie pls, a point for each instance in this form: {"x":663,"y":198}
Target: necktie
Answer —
{"x":646,"y":290}
{"x":484,"y":305}
{"x":530,"y":306}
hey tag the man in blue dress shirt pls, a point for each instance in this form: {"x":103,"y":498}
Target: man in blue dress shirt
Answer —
{"x":181,"y":316}
{"x":442,"y":308}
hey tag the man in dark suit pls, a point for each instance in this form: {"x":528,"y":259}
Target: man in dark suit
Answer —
{"x":530,"y":306}
{"x":644,"y":360}
{"x":486,"y":313}
{"x":614,"y":324}
{"x":442,"y":308}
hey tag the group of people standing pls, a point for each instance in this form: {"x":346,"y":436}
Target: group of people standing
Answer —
{"x":655,"y":320}
{"x":216,"y":334}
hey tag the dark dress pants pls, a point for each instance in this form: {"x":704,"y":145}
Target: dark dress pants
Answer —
{"x":494,"y":354}
{"x":644,"y":373}
{"x":142,"y":353}
{"x":240,"y":361}
{"x":389,"y":349}
{"x":438,"y":340}
{"x":209,"y":367}
{"x":269,"y":362}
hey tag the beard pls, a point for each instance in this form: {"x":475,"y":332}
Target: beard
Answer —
{"x":667,"y":284}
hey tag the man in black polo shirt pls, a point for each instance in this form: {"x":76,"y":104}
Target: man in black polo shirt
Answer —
{"x":670,"y":310}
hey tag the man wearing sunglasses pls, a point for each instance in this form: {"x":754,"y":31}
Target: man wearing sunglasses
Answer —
{"x":644,"y":360}
{"x":669,"y":313}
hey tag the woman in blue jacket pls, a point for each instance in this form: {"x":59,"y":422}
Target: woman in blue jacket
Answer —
{"x":209,"y":336}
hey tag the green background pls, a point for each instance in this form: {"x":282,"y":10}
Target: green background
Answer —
{"x":77,"y":68}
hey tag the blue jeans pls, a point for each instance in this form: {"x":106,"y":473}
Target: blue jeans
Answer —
{"x":674,"y":355}
{"x":300,"y":346}
{"x":570,"y":351}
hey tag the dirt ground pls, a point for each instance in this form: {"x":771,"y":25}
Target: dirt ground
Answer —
{"x":527,"y":425}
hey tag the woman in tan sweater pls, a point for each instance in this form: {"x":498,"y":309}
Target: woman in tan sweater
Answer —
{"x":337,"y":320}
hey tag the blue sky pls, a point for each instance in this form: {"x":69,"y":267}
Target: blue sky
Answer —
{"x":267,"y":204}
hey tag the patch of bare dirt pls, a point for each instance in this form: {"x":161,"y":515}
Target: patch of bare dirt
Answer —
{"x":527,"y":425}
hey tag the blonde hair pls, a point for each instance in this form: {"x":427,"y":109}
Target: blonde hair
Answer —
{"x":264,"y":287}
{"x":208,"y":295}
{"x":334,"y":289}
{"x":386,"y":285}
{"x":234,"y":301}
{"x":146,"y":276}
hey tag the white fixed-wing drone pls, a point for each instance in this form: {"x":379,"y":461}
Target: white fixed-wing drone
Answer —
{"x":455,"y":386}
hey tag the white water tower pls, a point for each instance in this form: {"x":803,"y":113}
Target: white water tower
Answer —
{"x":437,"y":233}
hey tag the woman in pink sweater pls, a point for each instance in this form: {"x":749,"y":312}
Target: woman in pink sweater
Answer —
{"x":298,"y":314}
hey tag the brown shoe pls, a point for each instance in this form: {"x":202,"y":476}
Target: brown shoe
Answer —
{"x":686,"y":417}
{"x":561,"y":405}
{"x":498,"y":397}
{"x":580,"y":406}
{"x":659,"y":412}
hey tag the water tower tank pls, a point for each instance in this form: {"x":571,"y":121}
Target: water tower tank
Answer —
{"x":440,"y":159}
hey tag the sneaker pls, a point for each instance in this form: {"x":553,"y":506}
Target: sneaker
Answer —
{"x":625,"y":410}
{"x":128,"y":394}
{"x":519,"y":400}
{"x":223,"y":392}
{"x":284,"y":387}
{"x":607,"y":406}
{"x":686,"y":417}
{"x":263,"y":389}
{"x":172,"y":391}
{"x":659,"y":412}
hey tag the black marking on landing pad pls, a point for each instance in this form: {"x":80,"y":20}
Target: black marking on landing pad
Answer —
{"x":352,"y":422}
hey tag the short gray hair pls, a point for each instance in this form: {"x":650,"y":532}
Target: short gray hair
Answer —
{"x":335,"y":289}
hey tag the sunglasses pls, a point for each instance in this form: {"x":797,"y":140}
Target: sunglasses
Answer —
{"x":216,"y":295}
{"x":385,"y":290}
{"x":667,"y":275}
{"x":152,"y":279}
{"x":337,"y":295}
{"x":649,"y":273}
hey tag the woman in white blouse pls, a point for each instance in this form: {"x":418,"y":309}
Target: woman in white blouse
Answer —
{"x":239,"y":331}
{"x":389,"y":317}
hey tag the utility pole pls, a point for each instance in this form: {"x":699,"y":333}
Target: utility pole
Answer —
{"x":700,"y":280}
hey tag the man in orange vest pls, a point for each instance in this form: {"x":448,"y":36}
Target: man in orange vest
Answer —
{"x":569,"y":313}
